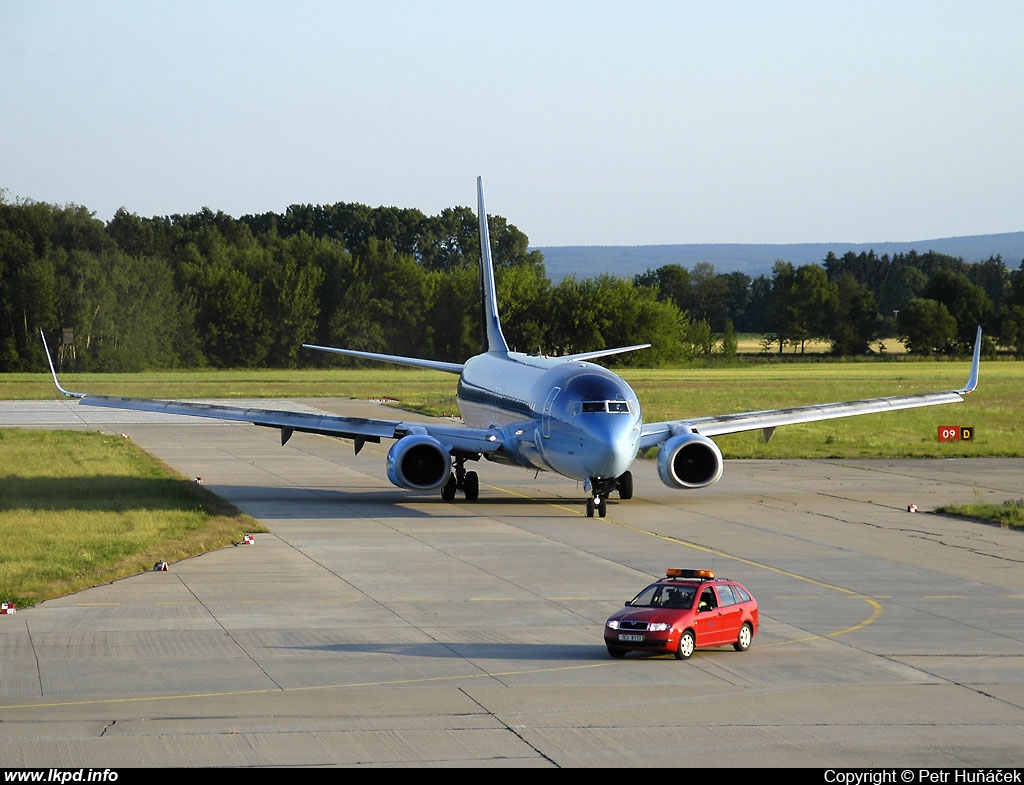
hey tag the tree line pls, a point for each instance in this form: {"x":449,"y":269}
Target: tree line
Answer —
{"x":210,"y":290}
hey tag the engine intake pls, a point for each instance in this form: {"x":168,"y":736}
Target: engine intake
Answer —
{"x":690,"y":460}
{"x":419,"y":463}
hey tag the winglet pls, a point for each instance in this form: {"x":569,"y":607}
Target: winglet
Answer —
{"x":972,"y":382}
{"x":54,"y":372}
{"x":493,"y":339}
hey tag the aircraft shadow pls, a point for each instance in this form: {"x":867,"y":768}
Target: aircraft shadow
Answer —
{"x":313,"y":503}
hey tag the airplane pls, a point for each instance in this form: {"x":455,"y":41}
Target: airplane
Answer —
{"x":565,"y":415}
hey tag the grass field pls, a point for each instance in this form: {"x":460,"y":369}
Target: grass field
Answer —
{"x":81,"y":508}
{"x":66,"y":525}
{"x":747,"y":343}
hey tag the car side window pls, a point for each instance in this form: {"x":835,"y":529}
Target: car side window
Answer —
{"x":726,"y":595}
{"x":707,"y":600}
{"x":742,"y":594}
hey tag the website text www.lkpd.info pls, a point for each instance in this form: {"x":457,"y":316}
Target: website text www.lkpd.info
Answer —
{"x":60,"y":775}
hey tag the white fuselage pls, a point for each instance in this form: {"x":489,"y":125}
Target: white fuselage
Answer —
{"x":571,"y":417}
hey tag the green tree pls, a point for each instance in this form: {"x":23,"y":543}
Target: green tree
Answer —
{"x":1012,"y":333}
{"x":729,"y":343}
{"x":450,"y":240}
{"x":523,"y":294}
{"x":454,"y":311}
{"x":904,"y":284}
{"x":782,"y":315}
{"x":672,"y":283}
{"x":857,"y":318}
{"x":698,"y":341}
{"x":927,"y":326}
{"x":967,"y":303}
{"x":290,"y":292}
{"x":738,"y":298}
{"x":228,"y":304}
{"x":710,"y":296}
{"x":812,"y":304}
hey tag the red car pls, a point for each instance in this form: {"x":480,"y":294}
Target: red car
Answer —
{"x":686,"y":610}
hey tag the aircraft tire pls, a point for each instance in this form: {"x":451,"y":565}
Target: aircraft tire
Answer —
{"x":626,"y":485}
{"x":471,"y":486}
{"x":448,"y":491}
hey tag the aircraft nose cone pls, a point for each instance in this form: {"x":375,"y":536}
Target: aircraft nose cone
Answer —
{"x":615,"y":441}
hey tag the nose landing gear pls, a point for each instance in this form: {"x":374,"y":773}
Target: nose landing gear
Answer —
{"x":600,"y":487}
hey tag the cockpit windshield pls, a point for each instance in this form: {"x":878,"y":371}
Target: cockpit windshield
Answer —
{"x":615,"y":407}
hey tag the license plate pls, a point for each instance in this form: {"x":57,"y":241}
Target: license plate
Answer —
{"x":626,"y":638}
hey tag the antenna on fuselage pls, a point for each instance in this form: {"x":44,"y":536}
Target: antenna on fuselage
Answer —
{"x":490,"y":327}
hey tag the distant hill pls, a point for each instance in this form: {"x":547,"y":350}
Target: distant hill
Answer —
{"x":625,"y":261}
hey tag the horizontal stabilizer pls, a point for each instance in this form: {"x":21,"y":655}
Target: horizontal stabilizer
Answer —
{"x":433,"y":365}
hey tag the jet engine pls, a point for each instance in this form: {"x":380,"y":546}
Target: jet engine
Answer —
{"x":419,"y":463}
{"x":689,"y":460}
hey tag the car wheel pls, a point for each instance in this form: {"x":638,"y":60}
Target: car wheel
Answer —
{"x":686,"y":645}
{"x":616,"y":653}
{"x":746,"y":636}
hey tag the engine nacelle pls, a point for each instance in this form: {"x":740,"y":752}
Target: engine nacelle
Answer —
{"x":419,"y":463}
{"x":690,"y":460}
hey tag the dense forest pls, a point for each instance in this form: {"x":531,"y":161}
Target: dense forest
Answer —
{"x":210,"y":290}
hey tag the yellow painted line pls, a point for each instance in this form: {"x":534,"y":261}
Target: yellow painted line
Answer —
{"x":875,"y":606}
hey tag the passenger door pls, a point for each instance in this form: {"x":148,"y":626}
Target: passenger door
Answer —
{"x":730,"y":613}
{"x":706,"y":622}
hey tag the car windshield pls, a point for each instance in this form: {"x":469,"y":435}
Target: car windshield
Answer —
{"x":659,"y":595}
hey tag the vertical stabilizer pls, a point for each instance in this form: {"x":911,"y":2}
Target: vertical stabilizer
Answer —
{"x":493,"y":340}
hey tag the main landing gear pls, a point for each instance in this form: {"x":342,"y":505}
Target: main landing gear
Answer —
{"x":601,"y":487}
{"x":461,"y":480}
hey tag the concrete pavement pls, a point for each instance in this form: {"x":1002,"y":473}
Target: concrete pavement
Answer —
{"x":373,"y":627}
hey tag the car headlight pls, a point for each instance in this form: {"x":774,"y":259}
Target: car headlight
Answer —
{"x":658,"y":627}
{"x":612,"y":624}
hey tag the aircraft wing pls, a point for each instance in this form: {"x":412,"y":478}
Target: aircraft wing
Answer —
{"x":359,"y":429}
{"x":768,"y":420}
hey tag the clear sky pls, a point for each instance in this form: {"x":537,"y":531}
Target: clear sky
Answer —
{"x":592,"y":123}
